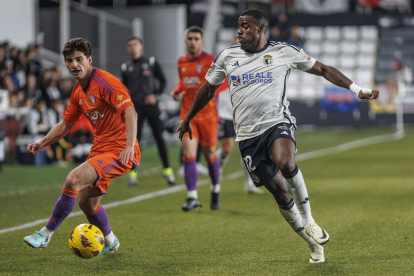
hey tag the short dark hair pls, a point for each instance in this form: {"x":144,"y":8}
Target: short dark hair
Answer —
{"x":259,"y":15}
{"x":194,"y":29}
{"x":77,"y":44}
{"x":132,"y":37}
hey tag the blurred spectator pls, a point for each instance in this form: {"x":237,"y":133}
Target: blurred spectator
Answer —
{"x":275,"y":34}
{"x":295,"y":38}
{"x":40,"y":119}
{"x":31,"y":88}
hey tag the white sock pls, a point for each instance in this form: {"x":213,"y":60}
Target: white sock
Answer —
{"x":48,"y":233}
{"x":215,"y":188}
{"x":110,"y":238}
{"x":297,"y":188}
{"x":192,"y":194}
{"x":291,"y":214}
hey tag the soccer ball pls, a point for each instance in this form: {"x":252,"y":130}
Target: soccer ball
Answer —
{"x":86,"y":241}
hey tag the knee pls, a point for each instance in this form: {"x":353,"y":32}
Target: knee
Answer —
{"x":286,"y":166}
{"x":73,"y":181}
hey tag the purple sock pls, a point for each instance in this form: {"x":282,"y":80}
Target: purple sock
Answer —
{"x":214,"y":170}
{"x":63,"y":207}
{"x":99,"y":219}
{"x":190,"y":173}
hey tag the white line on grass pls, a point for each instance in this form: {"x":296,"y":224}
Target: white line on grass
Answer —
{"x":300,"y":157}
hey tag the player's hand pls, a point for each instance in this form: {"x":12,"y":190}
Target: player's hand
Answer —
{"x":150,"y":100}
{"x":127,"y":154}
{"x":374,"y":95}
{"x":175,"y":95}
{"x":32,"y":149}
{"x":185,"y":127}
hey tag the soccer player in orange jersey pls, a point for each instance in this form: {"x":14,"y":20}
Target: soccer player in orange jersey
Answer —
{"x":192,"y":69}
{"x":106,"y":103}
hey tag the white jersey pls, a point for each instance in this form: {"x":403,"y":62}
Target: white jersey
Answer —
{"x":225,"y":109}
{"x":257,"y":82}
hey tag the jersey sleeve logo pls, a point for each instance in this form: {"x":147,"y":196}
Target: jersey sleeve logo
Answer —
{"x":119,"y":98}
{"x":92,"y":98}
{"x":199,"y":67}
{"x":235,"y":80}
{"x":267,"y":59}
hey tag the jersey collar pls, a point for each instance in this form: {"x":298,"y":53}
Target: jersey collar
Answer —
{"x":90,"y":79}
{"x":195,"y":58}
{"x":258,"y":51}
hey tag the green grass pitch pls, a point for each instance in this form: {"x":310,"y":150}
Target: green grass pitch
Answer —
{"x":362,"y":197}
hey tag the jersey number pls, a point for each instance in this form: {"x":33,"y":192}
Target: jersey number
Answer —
{"x":248,"y":161}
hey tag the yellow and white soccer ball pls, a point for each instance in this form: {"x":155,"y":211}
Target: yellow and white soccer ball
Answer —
{"x":86,"y":241}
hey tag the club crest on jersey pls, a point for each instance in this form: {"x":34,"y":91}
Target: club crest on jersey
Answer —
{"x":235,"y":80}
{"x":267,"y":59}
{"x":199,"y":67}
{"x":92,"y":99}
{"x":119,"y":98}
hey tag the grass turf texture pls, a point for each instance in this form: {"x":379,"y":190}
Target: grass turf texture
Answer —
{"x":362,"y":197}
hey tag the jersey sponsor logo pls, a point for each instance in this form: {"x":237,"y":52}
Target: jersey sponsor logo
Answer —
{"x":267,"y":59}
{"x":95,"y":116}
{"x":236,"y":63}
{"x":285,"y":133}
{"x":235,"y":80}
{"x":252,"y":78}
{"x":119,"y":98}
{"x":92,"y":99}
{"x":191,"y":81}
{"x":199,"y":67}
{"x":99,"y":162}
{"x":255,"y":178}
{"x":121,"y":103}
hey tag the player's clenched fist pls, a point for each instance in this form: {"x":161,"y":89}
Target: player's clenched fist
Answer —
{"x":32,"y":149}
{"x":374,"y":95}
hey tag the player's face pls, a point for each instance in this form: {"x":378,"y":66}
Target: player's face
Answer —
{"x":79,"y":65}
{"x":194,"y":43}
{"x":248,"y":32}
{"x":134,"y":48}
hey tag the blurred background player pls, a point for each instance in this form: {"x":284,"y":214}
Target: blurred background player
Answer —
{"x":192,"y":69}
{"x":105,"y":101}
{"x":227,"y":135}
{"x":145,"y":81}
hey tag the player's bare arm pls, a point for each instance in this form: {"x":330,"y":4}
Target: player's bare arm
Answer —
{"x":336,"y":77}
{"x":54,"y":135}
{"x":131,"y":118}
{"x":203,"y":97}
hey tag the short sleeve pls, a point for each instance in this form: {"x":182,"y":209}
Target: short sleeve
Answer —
{"x":296,"y":58}
{"x":117,"y":96}
{"x":73,"y":111}
{"x":217,"y":72}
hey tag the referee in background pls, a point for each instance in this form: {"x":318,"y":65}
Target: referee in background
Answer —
{"x":145,"y":80}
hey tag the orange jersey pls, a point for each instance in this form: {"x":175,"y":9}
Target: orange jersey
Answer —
{"x":102,"y":102}
{"x":192,"y":72}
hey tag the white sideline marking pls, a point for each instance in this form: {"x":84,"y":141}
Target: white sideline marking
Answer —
{"x":300,"y":157}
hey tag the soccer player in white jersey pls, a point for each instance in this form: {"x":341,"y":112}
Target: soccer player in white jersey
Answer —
{"x":257,"y":72}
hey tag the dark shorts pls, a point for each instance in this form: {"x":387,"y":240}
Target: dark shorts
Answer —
{"x":226,"y":129}
{"x":256,"y":152}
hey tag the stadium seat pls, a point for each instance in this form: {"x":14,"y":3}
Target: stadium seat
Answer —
{"x":347,"y":61}
{"x":314,"y":33}
{"x":310,"y":79}
{"x":295,"y":77}
{"x":330,"y":60}
{"x":369,"y":46}
{"x":292,"y":92}
{"x":368,"y":32}
{"x":350,"y":33}
{"x":364,"y":75}
{"x":349,"y":73}
{"x":332,"y":33}
{"x":348,"y":46}
{"x":313,"y":48}
{"x":330,"y":47}
{"x":308,"y":92}
{"x":364,"y":60}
